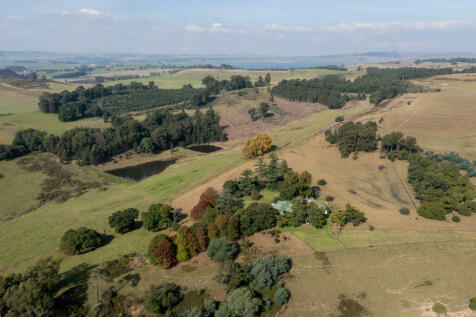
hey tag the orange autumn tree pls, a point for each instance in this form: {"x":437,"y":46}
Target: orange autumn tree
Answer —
{"x":257,"y":146}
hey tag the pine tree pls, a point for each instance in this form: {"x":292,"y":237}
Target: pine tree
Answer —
{"x":260,"y":170}
{"x":273,"y":173}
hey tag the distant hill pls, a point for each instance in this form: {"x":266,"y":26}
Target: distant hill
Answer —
{"x":9,"y":74}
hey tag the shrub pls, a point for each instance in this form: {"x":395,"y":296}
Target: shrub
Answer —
{"x":159,"y":217}
{"x":118,"y":267}
{"x":162,"y":251}
{"x":329,"y":198}
{"x":472,"y":303}
{"x":123,"y":221}
{"x":222,"y":249}
{"x":339,"y":119}
{"x":456,"y":218}
{"x":160,"y":299}
{"x":439,"y":308}
{"x":257,"y":146}
{"x":404,"y":211}
{"x":281,"y":296}
{"x":80,"y":241}
{"x":321,"y":182}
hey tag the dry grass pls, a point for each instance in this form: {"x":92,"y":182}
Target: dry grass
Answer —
{"x":441,"y":121}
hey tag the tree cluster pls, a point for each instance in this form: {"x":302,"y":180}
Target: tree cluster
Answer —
{"x":334,"y":91}
{"x":396,"y":146}
{"x":98,"y":100}
{"x":161,"y":130}
{"x":354,"y":137}
{"x":440,"y":187}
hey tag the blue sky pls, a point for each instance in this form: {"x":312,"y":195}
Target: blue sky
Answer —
{"x":262,"y":27}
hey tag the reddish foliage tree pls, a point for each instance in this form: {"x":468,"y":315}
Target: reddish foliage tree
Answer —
{"x":165,"y":254}
{"x":207,"y":198}
{"x":201,"y":238}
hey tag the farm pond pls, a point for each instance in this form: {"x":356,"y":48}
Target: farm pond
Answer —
{"x":140,"y":172}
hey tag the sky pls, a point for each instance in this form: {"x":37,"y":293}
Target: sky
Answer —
{"x":238,"y":28}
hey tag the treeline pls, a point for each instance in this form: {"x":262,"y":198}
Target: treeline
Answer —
{"x":333,"y":67}
{"x":335,"y":91}
{"x":236,"y":82}
{"x":99,"y":100}
{"x":161,"y":130}
{"x":453,"y":61}
{"x":354,"y":137}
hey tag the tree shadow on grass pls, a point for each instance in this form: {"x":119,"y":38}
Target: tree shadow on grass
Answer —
{"x":72,"y":287}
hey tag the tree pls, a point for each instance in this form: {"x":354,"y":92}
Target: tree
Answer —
{"x":162,"y":251}
{"x":281,"y":296}
{"x":240,"y":303}
{"x":267,"y":78}
{"x":234,"y":274}
{"x":207,"y":198}
{"x":296,"y":185}
{"x":80,"y":241}
{"x":222,"y":249}
{"x":159,"y":217}
{"x":32,"y":293}
{"x":181,"y":242}
{"x":256,"y":217}
{"x":257,"y":146}
{"x":160,"y":299}
{"x":123,"y":220}
{"x":265,"y":271}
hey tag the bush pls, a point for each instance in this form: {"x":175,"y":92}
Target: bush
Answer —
{"x":123,"y":221}
{"x":456,"y":218}
{"x":159,"y":217}
{"x":257,"y":146}
{"x":222,"y":249}
{"x":281,"y":296}
{"x":439,"y":308}
{"x":404,"y":211}
{"x":339,"y":118}
{"x":472,"y":303}
{"x":329,"y":198}
{"x":160,"y":299}
{"x":321,"y":182}
{"x":80,"y":241}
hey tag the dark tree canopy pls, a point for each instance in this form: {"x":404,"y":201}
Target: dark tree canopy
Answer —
{"x":80,"y":241}
{"x":123,"y":220}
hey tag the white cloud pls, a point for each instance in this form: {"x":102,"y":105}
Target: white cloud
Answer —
{"x":218,"y":27}
{"x":92,"y":12}
{"x":65,"y":12}
{"x":194,"y":28}
{"x":396,"y":26}
{"x":285,"y":28}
